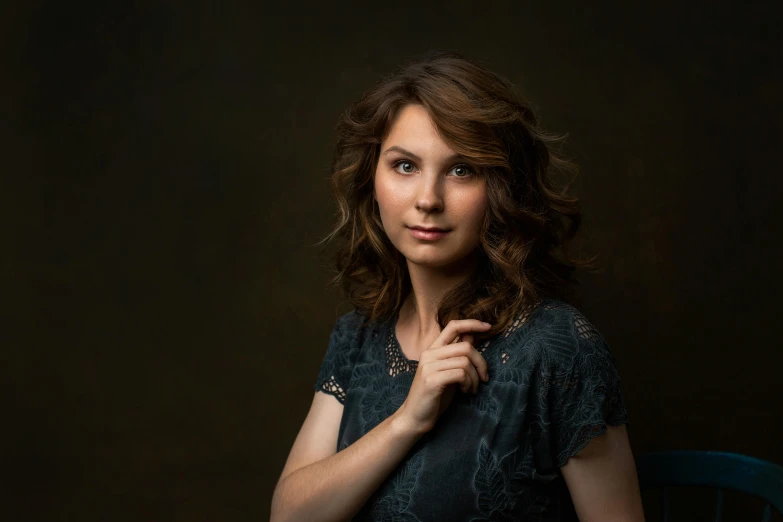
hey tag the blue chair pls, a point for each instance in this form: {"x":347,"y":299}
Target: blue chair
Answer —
{"x":716,"y":469}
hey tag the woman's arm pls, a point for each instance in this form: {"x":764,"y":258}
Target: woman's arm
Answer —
{"x":602,"y":479}
{"x":336,"y":487}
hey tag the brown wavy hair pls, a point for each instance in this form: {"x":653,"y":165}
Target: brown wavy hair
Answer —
{"x":482,"y":116}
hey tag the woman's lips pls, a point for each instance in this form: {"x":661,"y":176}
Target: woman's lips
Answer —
{"x":428,"y":234}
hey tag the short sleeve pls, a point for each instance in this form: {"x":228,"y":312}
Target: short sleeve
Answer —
{"x":579,"y":391}
{"x":334,"y":375}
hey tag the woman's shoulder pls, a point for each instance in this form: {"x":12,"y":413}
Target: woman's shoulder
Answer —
{"x":349,"y":321}
{"x":356,"y":327}
{"x":556,"y":332}
{"x":547,"y":317}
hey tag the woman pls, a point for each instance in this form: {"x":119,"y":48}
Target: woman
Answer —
{"x":449,"y":223}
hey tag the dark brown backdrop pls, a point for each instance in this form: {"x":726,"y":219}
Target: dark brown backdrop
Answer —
{"x":165,"y":176}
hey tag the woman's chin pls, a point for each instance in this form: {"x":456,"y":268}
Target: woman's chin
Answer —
{"x":433,"y":261}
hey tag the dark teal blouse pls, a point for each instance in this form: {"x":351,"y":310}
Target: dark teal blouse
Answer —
{"x":553,"y":386}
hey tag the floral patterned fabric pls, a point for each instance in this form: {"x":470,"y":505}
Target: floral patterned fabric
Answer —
{"x":495,"y":456}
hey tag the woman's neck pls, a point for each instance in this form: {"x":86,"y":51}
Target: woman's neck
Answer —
{"x":428,"y":287}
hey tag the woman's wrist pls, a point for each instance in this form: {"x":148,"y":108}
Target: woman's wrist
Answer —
{"x":404,"y":427}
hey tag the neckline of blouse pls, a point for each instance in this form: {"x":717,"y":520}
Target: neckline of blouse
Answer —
{"x":396,"y":342}
{"x":413,"y":363}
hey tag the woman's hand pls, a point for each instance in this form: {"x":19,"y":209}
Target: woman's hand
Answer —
{"x":442,"y":367}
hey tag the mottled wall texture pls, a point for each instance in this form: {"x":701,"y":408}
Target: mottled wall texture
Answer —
{"x":164,"y":180}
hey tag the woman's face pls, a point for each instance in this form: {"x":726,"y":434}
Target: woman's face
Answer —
{"x":420,"y":181}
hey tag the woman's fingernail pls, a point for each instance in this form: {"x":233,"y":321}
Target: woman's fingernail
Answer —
{"x":485,"y":324}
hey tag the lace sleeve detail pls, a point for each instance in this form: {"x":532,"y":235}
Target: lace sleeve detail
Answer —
{"x":579,"y":391}
{"x":334,"y":374}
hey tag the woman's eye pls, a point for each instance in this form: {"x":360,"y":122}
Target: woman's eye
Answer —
{"x":396,"y":165}
{"x":466,"y":170}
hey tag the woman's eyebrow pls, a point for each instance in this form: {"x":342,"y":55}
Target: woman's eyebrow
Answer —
{"x":395,"y":148}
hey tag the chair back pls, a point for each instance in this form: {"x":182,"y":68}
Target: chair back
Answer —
{"x":721,"y":470}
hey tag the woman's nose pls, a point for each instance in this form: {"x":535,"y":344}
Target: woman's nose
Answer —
{"x":429,"y":197}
